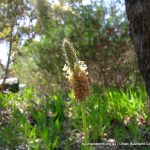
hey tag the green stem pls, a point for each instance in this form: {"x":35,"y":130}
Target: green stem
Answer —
{"x":84,"y":122}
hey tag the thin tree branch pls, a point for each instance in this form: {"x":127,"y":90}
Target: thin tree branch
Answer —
{"x":9,"y":54}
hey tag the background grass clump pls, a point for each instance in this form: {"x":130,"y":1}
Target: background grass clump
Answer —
{"x":42,"y":121}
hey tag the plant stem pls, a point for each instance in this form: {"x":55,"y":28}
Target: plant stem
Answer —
{"x":84,"y":122}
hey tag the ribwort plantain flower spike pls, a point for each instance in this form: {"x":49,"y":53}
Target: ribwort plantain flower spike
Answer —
{"x":75,"y":71}
{"x":70,"y":55}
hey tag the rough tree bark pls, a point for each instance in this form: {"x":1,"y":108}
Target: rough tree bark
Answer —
{"x":138,"y":13}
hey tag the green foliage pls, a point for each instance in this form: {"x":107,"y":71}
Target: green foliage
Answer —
{"x":99,"y":33}
{"x":35,"y":124}
{"x":44,"y":121}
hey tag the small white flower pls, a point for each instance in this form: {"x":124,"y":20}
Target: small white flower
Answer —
{"x":83,"y":66}
{"x":65,"y":68}
{"x":67,"y":72}
{"x":79,"y":67}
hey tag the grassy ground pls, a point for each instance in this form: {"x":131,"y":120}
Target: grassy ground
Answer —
{"x":41,"y":121}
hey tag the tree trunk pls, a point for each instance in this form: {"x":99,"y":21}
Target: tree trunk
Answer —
{"x":138,"y":13}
